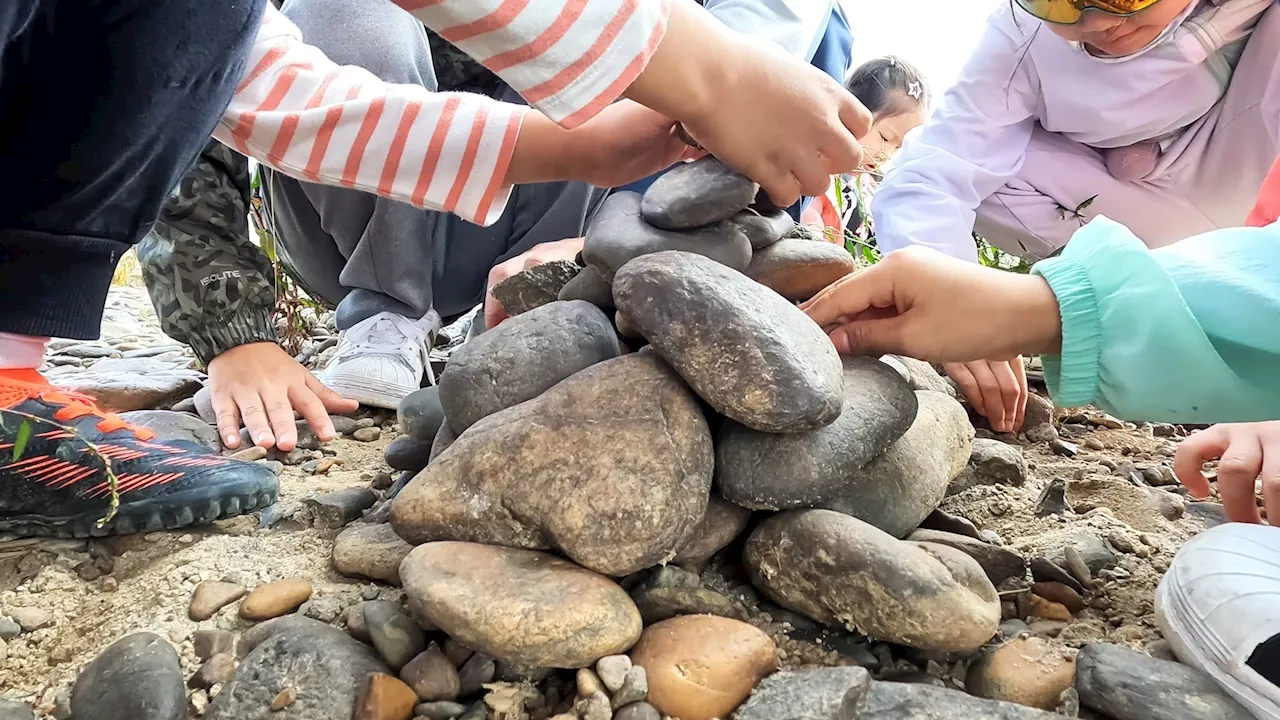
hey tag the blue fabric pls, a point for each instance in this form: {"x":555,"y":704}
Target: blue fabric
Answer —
{"x":833,"y":55}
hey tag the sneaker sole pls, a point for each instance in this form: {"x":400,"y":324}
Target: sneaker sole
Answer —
{"x":167,"y":513}
{"x":371,"y":394}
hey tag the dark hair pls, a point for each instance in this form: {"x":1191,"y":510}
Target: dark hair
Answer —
{"x":888,"y":86}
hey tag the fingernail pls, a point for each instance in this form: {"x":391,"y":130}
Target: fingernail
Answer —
{"x":229,"y":438}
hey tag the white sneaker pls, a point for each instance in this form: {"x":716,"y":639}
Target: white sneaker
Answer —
{"x":381,"y":359}
{"x":1219,"y":601}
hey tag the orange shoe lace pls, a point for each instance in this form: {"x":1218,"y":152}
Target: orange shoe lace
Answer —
{"x":18,"y":386}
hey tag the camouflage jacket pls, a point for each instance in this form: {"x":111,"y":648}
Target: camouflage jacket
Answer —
{"x":211,"y":286}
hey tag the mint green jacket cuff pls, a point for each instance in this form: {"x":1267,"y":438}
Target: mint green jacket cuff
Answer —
{"x":1186,"y":333}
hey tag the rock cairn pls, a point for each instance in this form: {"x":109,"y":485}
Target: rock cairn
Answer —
{"x":628,"y":501}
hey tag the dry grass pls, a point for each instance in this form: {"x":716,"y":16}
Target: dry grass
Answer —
{"x":128,"y":271}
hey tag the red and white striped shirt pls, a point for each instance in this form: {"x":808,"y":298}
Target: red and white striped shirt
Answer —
{"x":302,"y":114}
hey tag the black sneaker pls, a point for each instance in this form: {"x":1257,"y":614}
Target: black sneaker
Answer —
{"x":53,"y":483}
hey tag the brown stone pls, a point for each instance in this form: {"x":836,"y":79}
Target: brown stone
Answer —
{"x":723,"y":522}
{"x":432,"y":676}
{"x":383,"y":697}
{"x":702,"y":667}
{"x":1048,"y":609}
{"x":216,"y":670}
{"x":1027,"y":671}
{"x":798,"y":269}
{"x":370,"y":551}
{"x":211,"y":596}
{"x":121,"y":385}
{"x":274,"y":599}
{"x":1061,"y":594}
{"x":520,"y":606}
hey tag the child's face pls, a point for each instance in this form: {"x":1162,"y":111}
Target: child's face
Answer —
{"x":1112,"y":35}
{"x":886,"y":135}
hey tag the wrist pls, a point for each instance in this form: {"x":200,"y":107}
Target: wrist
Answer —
{"x":1039,"y":316}
{"x":687,"y":68}
{"x":542,"y":152}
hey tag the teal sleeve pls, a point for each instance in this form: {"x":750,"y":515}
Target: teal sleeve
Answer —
{"x":1187,"y":333}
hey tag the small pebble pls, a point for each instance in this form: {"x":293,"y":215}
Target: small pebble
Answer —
{"x":384,"y":697}
{"x":208,"y":643}
{"x":211,"y":596}
{"x":432,"y":676}
{"x":394,"y":634}
{"x":1094,"y":443}
{"x":9,"y":628}
{"x":457,"y":652}
{"x":613,"y":671}
{"x":250,"y":454}
{"x":274,"y":599}
{"x":638,"y":711}
{"x":588,"y":683}
{"x":381,"y":481}
{"x":1064,"y":448}
{"x":31,"y":618}
{"x":217,"y":669}
{"x":284,"y":699}
{"x":367,"y":434}
{"x":275,"y":466}
{"x":477,"y":671}
{"x":439,"y":710}
{"x":635,"y":688}
{"x":595,"y":707}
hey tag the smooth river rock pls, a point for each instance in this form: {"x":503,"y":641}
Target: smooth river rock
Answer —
{"x":370,"y":551}
{"x":420,"y":414}
{"x":1127,"y":685}
{"x":321,"y":667}
{"x":897,"y":490}
{"x":768,"y":471}
{"x":618,"y":235}
{"x":798,"y":269}
{"x":523,"y":357}
{"x":701,"y":667}
{"x":590,"y":286}
{"x":833,"y":693}
{"x":722,"y":522}
{"x":753,"y":356}
{"x":520,"y":606}
{"x":764,"y":229}
{"x":694,"y":194}
{"x":913,"y":701}
{"x":138,"y":677}
{"x":612,"y":467}
{"x":843,"y":572}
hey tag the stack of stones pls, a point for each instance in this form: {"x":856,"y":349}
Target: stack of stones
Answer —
{"x":646,"y":406}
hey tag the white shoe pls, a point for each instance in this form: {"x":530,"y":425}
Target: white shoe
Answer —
{"x":1219,"y":601}
{"x":381,"y":359}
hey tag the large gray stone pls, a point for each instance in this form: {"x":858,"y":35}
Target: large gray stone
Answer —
{"x":322,"y":665}
{"x":612,"y":467}
{"x":753,"y":356}
{"x":699,"y":193}
{"x":618,"y":235}
{"x":897,"y":491}
{"x":1126,"y":685}
{"x":768,"y":471}
{"x":843,"y":572}
{"x":523,"y":357}
{"x":903,"y":701}
{"x":138,"y":677}
{"x":799,"y":269}
{"x":833,"y":693}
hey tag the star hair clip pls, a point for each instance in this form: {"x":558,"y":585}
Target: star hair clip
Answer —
{"x":915,"y":90}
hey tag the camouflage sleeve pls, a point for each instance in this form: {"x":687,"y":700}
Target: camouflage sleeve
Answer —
{"x":212,"y":288}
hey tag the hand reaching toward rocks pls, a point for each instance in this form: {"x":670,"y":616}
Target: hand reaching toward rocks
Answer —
{"x":997,"y":390}
{"x":771,"y":116}
{"x":922,"y":303}
{"x":1247,"y":452}
{"x":568,"y":249}
{"x":260,"y":385}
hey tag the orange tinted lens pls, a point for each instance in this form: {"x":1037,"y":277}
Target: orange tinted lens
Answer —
{"x":1064,"y":12}
{"x":1121,"y":7}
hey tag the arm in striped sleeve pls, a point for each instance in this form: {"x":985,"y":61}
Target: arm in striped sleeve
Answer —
{"x":568,"y":59}
{"x":308,"y":117}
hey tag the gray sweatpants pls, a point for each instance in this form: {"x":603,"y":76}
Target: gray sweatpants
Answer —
{"x":368,"y":254}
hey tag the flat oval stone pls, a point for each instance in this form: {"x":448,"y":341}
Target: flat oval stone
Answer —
{"x":590,"y":286}
{"x":749,"y":353}
{"x":764,"y":229}
{"x":522,"y":357}
{"x":897,"y":490}
{"x":138,"y":677}
{"x":408,"y":453}
{"x":520,"y":606}
{"x":694,"y":194}
{"x":612,"y":467}
{"x":799,"y":269}
{"x":618,"y":235}
{"x":370,"y":551}
{"x":767,"y":471}
{"x":843,"y":572}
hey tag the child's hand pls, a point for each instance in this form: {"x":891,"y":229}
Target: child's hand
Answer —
{"x":624,"y":143}
{"x":1247,"y":451}
{"x":922,"y":303}
{"x":546,"y":252}
{"x":996,"y":389}
{"x":767,"y":114}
